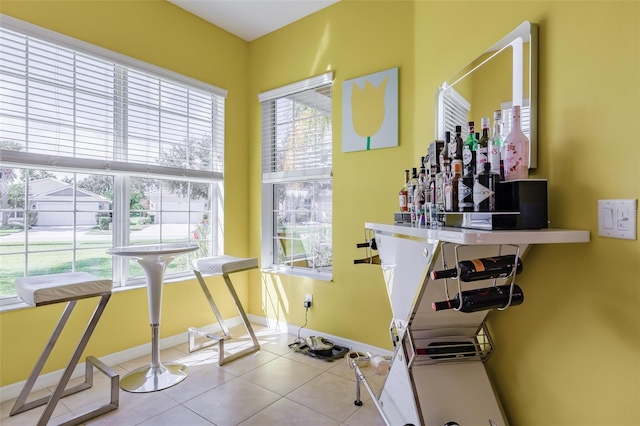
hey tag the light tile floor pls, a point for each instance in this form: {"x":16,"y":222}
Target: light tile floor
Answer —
{"x":274,"y":386}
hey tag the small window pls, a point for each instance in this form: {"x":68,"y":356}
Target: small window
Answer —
{"x":296,"y":177}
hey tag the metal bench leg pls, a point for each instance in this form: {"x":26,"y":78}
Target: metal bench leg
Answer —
{"x":256,"y":345}
{"x":194,"y":332}
{"x":60,"y":391}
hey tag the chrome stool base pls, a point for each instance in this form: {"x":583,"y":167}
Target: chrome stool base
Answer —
{"x":151,"y":379}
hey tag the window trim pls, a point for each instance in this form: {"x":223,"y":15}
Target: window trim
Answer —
{"x":270,"y":178}
{"x":120,"y":170}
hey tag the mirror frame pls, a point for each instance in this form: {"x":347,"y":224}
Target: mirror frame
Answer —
{"x":525,"y":32}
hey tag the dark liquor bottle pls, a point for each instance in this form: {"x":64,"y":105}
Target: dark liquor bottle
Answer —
{"x":482,"y":151}
{"x":459,"y":143}
{"x":404,"y":193}
{"x":482,"y":299}
{"x":488,"y":267}
{"x":451,"y":196}
{"x":485,"y":186}
{"x":469,"y":152}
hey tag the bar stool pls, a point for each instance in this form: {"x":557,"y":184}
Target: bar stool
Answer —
{"x":57,"y":288}
{"x":222,"y":265}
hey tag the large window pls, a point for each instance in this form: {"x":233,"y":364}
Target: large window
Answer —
{"x":296,"y":178}
{"x":100,"y":150}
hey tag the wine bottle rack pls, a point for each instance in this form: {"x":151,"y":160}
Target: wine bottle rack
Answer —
{"x":423,"y":349}
{"x":509,"y":279}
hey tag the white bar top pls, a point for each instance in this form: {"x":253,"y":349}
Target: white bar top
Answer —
{"x":477,"y":237}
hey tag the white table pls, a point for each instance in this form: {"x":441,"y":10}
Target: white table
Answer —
{"x":154,"y":260}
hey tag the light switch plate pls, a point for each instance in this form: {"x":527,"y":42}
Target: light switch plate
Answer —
{"x":618,"y":218}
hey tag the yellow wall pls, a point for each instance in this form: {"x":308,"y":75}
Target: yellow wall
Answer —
{"x":352,"y":39}
{"x":164,"y":35}
{"x":571,"y":353}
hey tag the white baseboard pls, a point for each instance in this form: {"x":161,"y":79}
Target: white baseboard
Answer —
{"x":12,"y":391}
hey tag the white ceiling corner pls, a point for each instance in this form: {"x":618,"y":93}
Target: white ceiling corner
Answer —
{"x":251,"y":19}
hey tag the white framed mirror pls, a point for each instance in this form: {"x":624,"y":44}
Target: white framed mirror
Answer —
{"x":504,"y":75}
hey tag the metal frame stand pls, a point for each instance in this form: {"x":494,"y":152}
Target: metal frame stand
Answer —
{"x":214,"y":338}
{"x":21,"y":405}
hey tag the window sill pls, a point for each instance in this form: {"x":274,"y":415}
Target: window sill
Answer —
{"x":316,"y":275}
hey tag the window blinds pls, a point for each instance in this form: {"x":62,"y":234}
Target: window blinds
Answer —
{"x":296,"y":139}
{"x":65,"y":108}
{"x":455,"y":109}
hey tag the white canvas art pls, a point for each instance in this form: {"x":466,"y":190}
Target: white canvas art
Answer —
{"x":370,"y":111}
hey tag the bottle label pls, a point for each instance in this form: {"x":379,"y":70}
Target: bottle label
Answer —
{"x":466,"y":155}
{"x":480,"y":193}
{"x":403,"y":202}
{"x":448,"y":197}
{"x":512,"y":159}
{"x":494,"y":158}
{"x":463,"y":191}
{"x":477,"y":263}
{"x":481,"y":158}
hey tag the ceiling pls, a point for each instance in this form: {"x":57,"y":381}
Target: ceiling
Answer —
{"x":251,"y":19}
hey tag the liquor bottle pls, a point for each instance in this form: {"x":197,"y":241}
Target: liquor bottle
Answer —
{"x":447,"y":187}
{"x":482,"y":299}
{"x":431,"y":194}
{"x":452,"y":198}
{"x":516,"y":150}
{"x":445,"y":153}
{"x":459,"y":143}
{"x":495,"y":145}
{"x":419,"y":194}
{"x":404,"y":197}
{"x":488,"y":268}
{"x":485,"y":186}
{"x":440,"y":179}
{"x":411,"y":186}
{"x":469,"y":152}
{"x":482,"y":150}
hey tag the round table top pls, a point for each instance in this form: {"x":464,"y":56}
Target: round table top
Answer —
{"x":153,"y":249}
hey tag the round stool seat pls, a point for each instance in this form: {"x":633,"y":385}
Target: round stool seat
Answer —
{"x":220,"y":265}
{"x":54,"y":288}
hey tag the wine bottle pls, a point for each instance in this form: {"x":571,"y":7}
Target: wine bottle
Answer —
{"x":488,"y":267}
{"x":482,"y":299}
{"x":404,"y":193}
{"x":373,"y":260}
{"x":485,"y":186}
{"x":516,"y":150}
{"x":482,"y":150}
{"x":495,"y":145}
{"x":445,"y":273}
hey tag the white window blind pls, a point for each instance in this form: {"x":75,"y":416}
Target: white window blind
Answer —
{"x":296,"y":175}
{"x":455,"y":111}
{"x":296,"y":122}
{"x":64,"y":108}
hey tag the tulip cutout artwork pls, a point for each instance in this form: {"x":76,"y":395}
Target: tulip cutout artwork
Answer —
{"x":370,"y":112}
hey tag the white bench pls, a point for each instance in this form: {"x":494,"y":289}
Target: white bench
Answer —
{"x":222,"y":265}
{"x":57,"y":288}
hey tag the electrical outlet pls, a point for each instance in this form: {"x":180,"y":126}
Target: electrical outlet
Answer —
{"x":308,"y":300}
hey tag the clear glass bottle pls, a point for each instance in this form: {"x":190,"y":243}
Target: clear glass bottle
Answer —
{"x":495,"y":145}
{"x":516,"y":150}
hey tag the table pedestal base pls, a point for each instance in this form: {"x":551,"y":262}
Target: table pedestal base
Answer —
{"x":151,"y":379}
